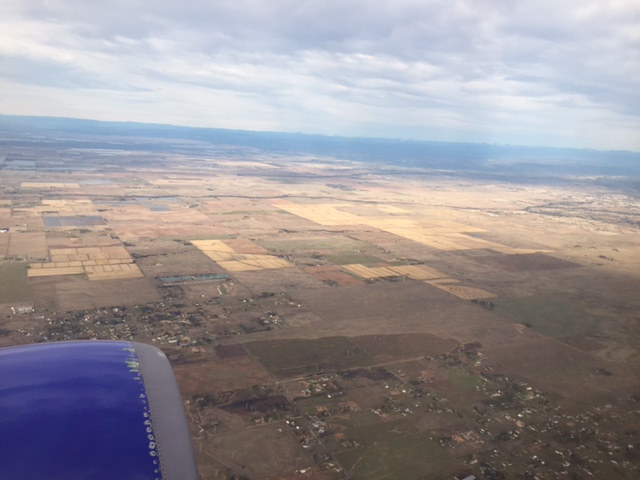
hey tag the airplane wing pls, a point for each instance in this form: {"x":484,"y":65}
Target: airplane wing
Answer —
{"x":91,"y":410}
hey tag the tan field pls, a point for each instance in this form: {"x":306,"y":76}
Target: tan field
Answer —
{"x":47,"y":185}
{"x":225,"y":256}
{"x":98,"y":263}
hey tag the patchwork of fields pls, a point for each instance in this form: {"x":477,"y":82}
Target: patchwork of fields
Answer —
{"x":330,"y":320}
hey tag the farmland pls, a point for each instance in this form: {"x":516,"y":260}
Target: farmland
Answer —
{"x":332,"y":318}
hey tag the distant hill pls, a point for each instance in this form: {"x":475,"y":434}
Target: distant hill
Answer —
{"x":480,"y":160}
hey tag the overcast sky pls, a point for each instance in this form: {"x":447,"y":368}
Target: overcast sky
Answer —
{"x":531,"y":72}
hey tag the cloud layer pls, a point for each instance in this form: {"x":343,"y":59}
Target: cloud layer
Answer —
{"x":539,"y":73}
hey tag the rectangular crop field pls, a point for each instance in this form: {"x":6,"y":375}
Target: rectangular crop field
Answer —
{"x":76,"y":293}
{"x":408,"y":457}
{"x":332,"y":243}
{"x":291,"y":358}
{"x":549,"y":316}
{"x":463,"y":292}
{"x":99,"y":263}
{"x":225,"y":256}
{"x":13,"y":283}
{"x":31,"y":244}
{"x":386,"y":348}
{"x":416,"y":272}
{"x":322,"y":214}
{"x":370,"y":272}
{"x":4,"y":244}
{"x":331,"y":275}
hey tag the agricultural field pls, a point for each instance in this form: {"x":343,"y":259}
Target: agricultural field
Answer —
{"x":334,"y":319}
{"x":13,"y":283}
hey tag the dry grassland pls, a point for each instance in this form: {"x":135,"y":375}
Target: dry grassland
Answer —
{"x":4,"y":244}
{"x":48,"y":185}
{"x":329,"y":273}
{"x":143,"y":192}
{"x":242,"y":245}
{"x":29,"y":243}
{"x":254,"y":264}
{"x":61,"y":203}
{"x":243,"y":164}
{"x":178,"y":182}
{"x":425,"y":224}
{"x":442,"y":281}
{"x":59,"y":208}
{"x":322,"y":214}
{"x":392,"y":209}
{"x":103,"y":191}
{"x":439,"y":234}
{"x":83,"y":241}
{"x":227,"y":374}
{"x":66,"y":207}
{"x":75,"y":293}
{"x":137,"y":223}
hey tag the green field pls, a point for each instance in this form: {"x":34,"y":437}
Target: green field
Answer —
{"x":548,"y":316}
{"x":354,"y":258}
{"x":410,"y":457}
{"x":334,"y":243}
{"x":349,"y":458}
{"x":466,"y":382}
{"x":395,"y":347}
{"x":13,"y":283}
{"x":290,"y":358}
{"x":201,"y":237}
{"x":381,"y":431}
{"x":308,"y":405}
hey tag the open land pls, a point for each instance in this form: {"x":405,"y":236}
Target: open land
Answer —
{"x":332,"y":318}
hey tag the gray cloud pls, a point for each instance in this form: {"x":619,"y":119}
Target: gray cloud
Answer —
{"x":556,"y":73}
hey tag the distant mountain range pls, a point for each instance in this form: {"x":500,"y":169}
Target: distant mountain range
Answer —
{"x":506,"y":162}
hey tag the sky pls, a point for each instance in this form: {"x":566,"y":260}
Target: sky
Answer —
{"x":523,"y":72}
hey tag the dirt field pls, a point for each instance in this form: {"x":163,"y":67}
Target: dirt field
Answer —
{"x":332,"y":276}
{"x":31,"y":244}
{"x":4,"y":244}
{"x":80,"y":294}
{"x":228,"y":374}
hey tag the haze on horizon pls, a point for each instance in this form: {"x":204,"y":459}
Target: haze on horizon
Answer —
{"x":532,"y":73}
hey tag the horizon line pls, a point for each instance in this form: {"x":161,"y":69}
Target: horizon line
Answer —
{"x":324,"y":135}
